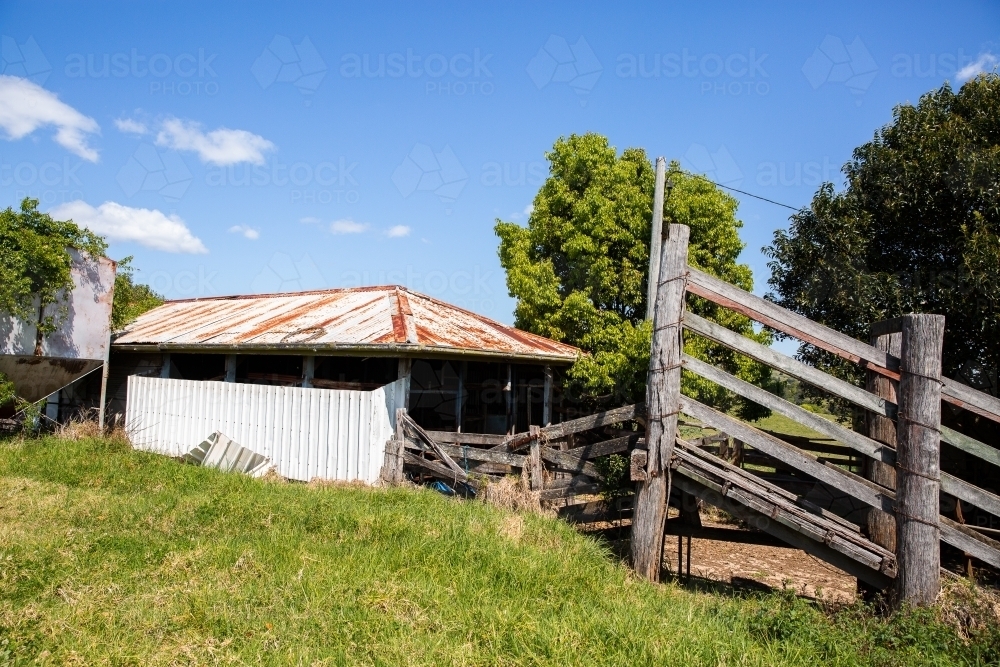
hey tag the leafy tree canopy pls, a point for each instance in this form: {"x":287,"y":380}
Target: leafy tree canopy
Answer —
{"x":917,"y":229}
{"x":131,"y":299}
{"x":579,"y":269}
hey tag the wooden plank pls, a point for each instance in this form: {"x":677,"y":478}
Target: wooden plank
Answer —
{"x":567,"y":461}
{"x":728,"y":472}
{"x":773,"y":315}
{"x":852,"y":439}
{"x":663,"y":388}
{"x":970,"y":445}
{"x":772,"y":506}
{"x":792,"y":537}
{"x":603,"y":448}
{"x":571,"y":490}
{"x":789,"y":366}
{"x":438,"y":470}
{"x":467,"y":438}
{"x":971,"y":399}
{"x":823,"y":337}
{"x":886,"y":328}
{"x":433,"y":445}
{"x":791,"y":456}
{"x":562,"y":482}
{"x":918,"y":451}
{"x":968,"y":540}
{"x":961,"y":489}
{"x":615,"y":416}
{"x":473,"y":454}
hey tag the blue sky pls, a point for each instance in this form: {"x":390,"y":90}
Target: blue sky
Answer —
{"x":278,"y":146}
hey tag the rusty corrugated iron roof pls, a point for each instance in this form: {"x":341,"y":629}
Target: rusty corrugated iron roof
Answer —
{"x":370,"y":320}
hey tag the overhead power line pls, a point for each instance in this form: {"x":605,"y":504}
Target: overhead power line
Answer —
{"x":742,"y":192}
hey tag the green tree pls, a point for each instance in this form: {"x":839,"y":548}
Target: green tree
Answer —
{"x":131,"y":299}
{"x":917,"y":229}
{"x":579,"y":269}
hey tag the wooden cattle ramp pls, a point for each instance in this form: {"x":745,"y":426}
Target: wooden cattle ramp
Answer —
{"x":895,"y":546}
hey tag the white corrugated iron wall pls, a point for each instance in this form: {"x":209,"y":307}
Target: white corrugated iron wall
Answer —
{"x":307,"y":433}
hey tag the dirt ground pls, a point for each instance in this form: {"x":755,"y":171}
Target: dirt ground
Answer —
{"x":775,"y":567}
{"x":754,"y":566}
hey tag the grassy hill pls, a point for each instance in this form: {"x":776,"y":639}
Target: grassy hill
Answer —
{"x":108,"y":556}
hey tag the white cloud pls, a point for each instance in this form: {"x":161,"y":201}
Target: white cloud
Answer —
{"x":220,"y":147}
{"x":148,"y":227}
{"x":526,"y":213}
{"x":130,"y":126}
{"x":247,"y":232}
{"x":25,"y":106}
{"x":398,"y":231}
{"x":309,"y":220}
{"x":984,"y":63}
{"x":347,"y":227}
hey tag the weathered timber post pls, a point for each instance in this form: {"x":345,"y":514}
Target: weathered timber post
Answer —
{"x":392,"y":469}
{"x":656,"y":236}
{"x":918,"y":464}
{"x":535,"y":479}
{"x":881,"y":526}
{"x":663,"y":388}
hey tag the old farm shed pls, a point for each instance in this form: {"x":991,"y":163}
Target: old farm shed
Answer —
{"x":452,"y":369}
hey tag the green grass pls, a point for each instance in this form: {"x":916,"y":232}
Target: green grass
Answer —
{"x":108,"y":556}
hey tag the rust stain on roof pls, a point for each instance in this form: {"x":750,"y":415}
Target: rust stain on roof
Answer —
{"x":375,"y":317}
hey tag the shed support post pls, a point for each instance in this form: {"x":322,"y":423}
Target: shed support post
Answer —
{"x":881,"y":526}
{"x":102,"y":409}
{"x":663,"y":387}
{"x":403,"y":373}
{"x":230,"y":368}
{"x":308,"y":371}
{"x":165,"y":368}
{"x":462,"y":368}
{"x":547,"y":398}
{"x":918,"y":460}
{"x":509,"y":394}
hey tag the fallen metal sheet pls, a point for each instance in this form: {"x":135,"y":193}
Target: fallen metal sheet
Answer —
{"x":220,"y":452}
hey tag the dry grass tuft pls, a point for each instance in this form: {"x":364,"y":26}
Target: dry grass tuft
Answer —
{"x":967,"y":608}
{"x":86,"y":427}
{"x":320,"y":483}
{"x":512,"y":493}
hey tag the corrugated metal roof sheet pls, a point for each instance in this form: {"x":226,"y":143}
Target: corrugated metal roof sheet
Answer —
{"x":373,"y":319}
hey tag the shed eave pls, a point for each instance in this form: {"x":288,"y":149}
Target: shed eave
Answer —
{"x":382,"y":350}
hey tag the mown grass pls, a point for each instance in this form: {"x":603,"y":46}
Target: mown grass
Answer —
{"x":108,"y":556}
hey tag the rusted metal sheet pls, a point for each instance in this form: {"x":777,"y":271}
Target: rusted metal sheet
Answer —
{"x":365,"y":320}
{"x":79,"y":345}
{"x":306,"y":433}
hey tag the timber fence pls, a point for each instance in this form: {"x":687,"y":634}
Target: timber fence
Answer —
{"x":893,"y":469}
